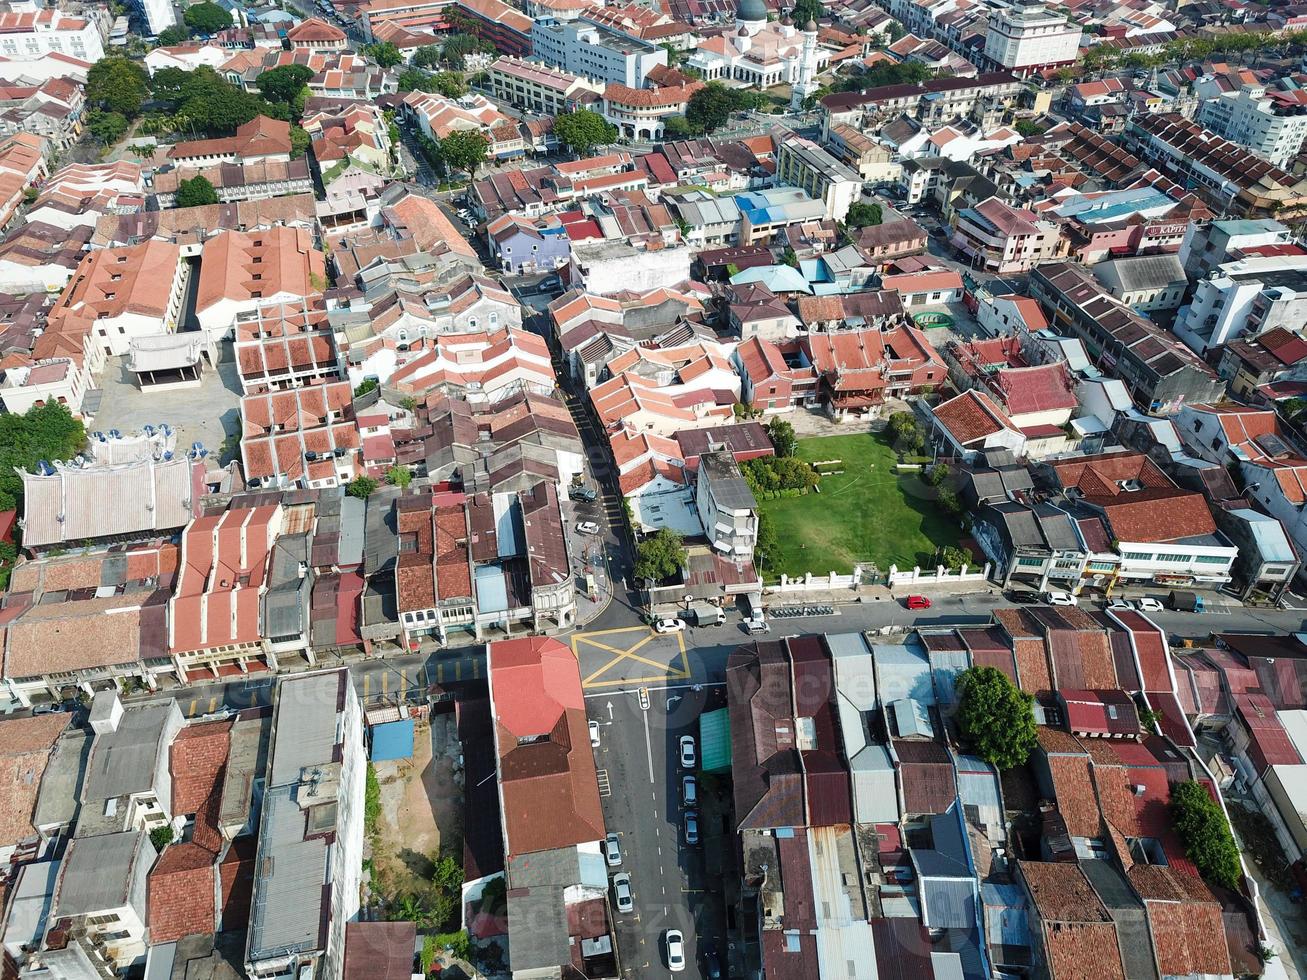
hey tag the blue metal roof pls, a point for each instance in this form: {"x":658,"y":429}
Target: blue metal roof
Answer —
{"x":777,"y":278}
{"x":392,"y":740}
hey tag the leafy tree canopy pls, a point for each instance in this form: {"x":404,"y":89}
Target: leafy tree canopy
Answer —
{"x":710,"y":108}
{"x":583,"y":130}
{"x":427,"y":56}
{"x":46,"y":432}
{"x":283,"y":83}
{"x":299,"y":142}
{"x":677,"y":128}
{"x":861,"y":215}
{"x":384,"y":53}
{"x":106,"y":127}
{"x":996,"y":717}
{"x":1202,"y":828}
{"x":196,"y":191}
{"x":458,"y":46}
{"x":660,"y":556}
{"x":782,"y":437}
{"x":118,"y":84}
{"x":464,"y":149}
{"x":172,"y":35}
{"x":206,"y":18}
{"x":399,"y":476}
{"x":362,"y":487}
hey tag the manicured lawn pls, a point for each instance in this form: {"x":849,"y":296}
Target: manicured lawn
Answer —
{"x":868,"y":513}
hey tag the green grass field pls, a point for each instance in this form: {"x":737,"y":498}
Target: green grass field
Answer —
{"x":865,"y":514}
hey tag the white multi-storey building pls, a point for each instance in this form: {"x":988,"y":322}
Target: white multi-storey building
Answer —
{"x":1027,"y":37}
{"x":30,"y":34}
{"x":1248,"y":296}
{"x":157,"y":14}
{"x":595,"y":52}
{"x":1271,"y":124}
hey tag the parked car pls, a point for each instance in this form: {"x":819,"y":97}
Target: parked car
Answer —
{"x":587,"y":527}
{"x":712,"y":968}
{"x":622,"y":892}
{"x":689,"y":758}
{"x":1023,"y":597}
{"x":1056,"y":598}
{"x":594,"y":733}
{"x":675,"y":944}
{"x":753,"y":626}
{"x":1124,"y":605}
{"x":669,"y":626}
{"x":1149,"y":604}
{"x":691,"y":827}
{"x":579,"y":491}
{"x":917,"y":602}
{"x":613,"y":850}
{"x":689,"y":790}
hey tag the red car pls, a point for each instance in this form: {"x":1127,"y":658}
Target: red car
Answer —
{"x":917,"y":602}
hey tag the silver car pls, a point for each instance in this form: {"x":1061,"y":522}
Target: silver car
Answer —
{"x":622,"y":892}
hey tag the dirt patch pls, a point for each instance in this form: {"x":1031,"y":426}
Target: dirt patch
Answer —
{"x":421,"y":813}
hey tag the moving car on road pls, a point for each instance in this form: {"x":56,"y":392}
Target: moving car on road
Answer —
{"x":675,"y":943}
{"x":1149,"y":604}
{"x":917,"y":602}
{"x":1121,"y":605}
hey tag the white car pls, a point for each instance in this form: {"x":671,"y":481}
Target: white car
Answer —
{"x":1124,"y":605}
{"x":1149,"y":604}
{"x":675,"y":950}
{"x":669,"y":626}
{"x":1061,"y":599}
{"x":612,"y":850}
{"x":587,"y":527}
{"x":594,"y":733}
{"x":622,"y":890}
{"x":688,"y":755}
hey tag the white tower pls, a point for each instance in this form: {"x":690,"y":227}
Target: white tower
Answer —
{"x":807,"y":80}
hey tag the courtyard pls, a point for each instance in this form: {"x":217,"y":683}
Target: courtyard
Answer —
{"x":869,"y":513}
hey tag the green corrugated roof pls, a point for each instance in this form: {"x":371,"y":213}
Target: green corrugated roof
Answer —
{"x":715,"y":740}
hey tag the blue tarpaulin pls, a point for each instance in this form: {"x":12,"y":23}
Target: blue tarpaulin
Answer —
{"x":393,"y":740}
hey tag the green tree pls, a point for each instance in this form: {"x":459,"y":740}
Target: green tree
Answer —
{"x":399,"y":476}
{"x":427,"y":56}
{"x":660,"y":556}
{"x":283,"y":83}
{"x":1028,"y":127}
{"x":768,"y":540}
{"x":937,"y":474}
{"x":861,"y":215}
{"x":1205,"y":833}
{"x":371,"y":801}
{"x":161,"y":837}
{"x":106,"y":128}
{"x":464,"y":149}
{"x":447,"y":83}
{"x":951,"y":557}
{"x":806,"y":10}
{"x":677,"y":128}
{"x":211,"y":103}
{"x":949,"y":500}
{"x":995,"y":717}
{"x":172,"y":35}
{"x":366,"y":385}
{"x":413,"y":80}
{"x":384,"y":53}
{"x":196,"y":191}
{"x":46,"y":432}
{"x":583,"y":130}
{"x":362,"y":487}
{"x":206,"y":18}
{"x":906,"y":432}
{"x":782,"y":437}
{"x":299,"y":142}
{"x":458,"y":46}
{"x":710,"y":108}
{"x":118,"y":84}
{"x":448,"y":875}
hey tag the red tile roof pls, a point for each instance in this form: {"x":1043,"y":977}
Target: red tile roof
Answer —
{"x":971,"y":416}
{"x":1268,"y":743}
{"x":1184,"y":921}
{"x":1079,"y":939}
{"x":1105,"y":713}
{"x":181,"y":893}
{"x":548,"y":785}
